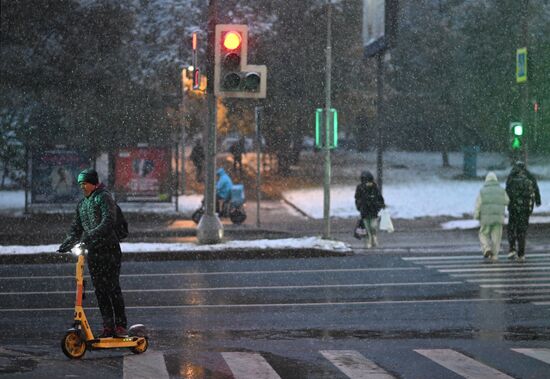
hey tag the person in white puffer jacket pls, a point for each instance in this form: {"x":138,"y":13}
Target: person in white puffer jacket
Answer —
{"x":490,"y":207}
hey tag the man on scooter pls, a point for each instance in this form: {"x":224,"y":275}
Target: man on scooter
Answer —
{"x":223,"y":189}
{"x":93,"y":225}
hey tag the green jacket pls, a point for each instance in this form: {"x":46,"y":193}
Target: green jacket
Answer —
{"x":491,"y":203}
{"x":93,"y":223}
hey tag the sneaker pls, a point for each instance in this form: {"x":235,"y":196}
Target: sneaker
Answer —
{"x":107,"y":332}
{"x":512,"y":254}
{"x":488,"y":254}
{"x":521,"y":259}
{"x":121,"y":332}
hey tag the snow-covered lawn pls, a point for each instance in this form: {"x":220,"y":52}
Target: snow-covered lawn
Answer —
{"x":416,"y":185}
{"x":407,"y":200}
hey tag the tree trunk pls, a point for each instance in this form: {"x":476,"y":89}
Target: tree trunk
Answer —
{"x":445,"y":158}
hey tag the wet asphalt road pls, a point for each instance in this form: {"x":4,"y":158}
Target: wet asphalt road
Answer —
{"x":385,"y":307}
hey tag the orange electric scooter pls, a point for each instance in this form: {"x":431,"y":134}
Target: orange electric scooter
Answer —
{"x":80,"y":338}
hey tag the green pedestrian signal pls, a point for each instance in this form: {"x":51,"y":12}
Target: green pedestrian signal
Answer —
{"x":320,"y":129}
{"x":516,"y":130}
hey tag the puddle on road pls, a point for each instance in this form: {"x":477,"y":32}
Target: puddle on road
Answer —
{"x":511,"y":333}
{"x":14,"y":360}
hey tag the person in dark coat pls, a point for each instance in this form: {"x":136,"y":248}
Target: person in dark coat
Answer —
{"x":237,"y":150}
{"x":93,"y":225}
{"x":369,"y":201}
{"x":523,"y":191}
{"x":197,"y":157}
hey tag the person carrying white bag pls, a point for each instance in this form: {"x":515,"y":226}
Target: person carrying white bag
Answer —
{"x":369,"y":201}
{"x":385,"y":221}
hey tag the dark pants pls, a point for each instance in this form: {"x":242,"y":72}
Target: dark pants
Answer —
{"x":104,"y":269}
{"x":518,"y":223}
{"x":198,"y":171}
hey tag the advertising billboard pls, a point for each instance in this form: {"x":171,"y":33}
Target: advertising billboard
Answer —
{"x":143,"y":174}
{"x":54,"y":175}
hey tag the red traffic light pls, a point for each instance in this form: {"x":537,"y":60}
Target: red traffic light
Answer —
{"x":232,"y":40}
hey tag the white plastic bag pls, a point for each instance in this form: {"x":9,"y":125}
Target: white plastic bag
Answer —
{"x":385,"y":221}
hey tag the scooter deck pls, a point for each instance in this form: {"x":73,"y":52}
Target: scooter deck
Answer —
{"x":114,"y":342}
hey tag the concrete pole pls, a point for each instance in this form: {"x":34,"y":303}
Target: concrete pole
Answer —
{"x":379,"y":120}
{"x":257,"y":119}
{"x":526,"y":109}
{"x":326,"y":181}
{"x":176,"y":177}
{"x":183,"y":73}
{"x":210,"y":229}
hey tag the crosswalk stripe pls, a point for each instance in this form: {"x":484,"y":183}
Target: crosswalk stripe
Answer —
{"x":249,"y":366}
{"x":454,"y":257}
{"x":145,"y":366}
{"x":515,"y":285}
{"x":461,"y":364}
{"x":484,"y":265}
{"x":480,"y":259}
{"x":540,"y":354}
{"x":510,"y":280}
{"x":497,"y":269}
{"x":354,"y":365}
{"x":526,"y":291}
{"x":493,"y":275}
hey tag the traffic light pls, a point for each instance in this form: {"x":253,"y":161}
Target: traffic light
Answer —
{"x":516,"y":130}
{"x":233,"y":77}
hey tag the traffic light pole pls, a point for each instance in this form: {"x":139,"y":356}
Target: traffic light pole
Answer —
{"x":326,"y":181}
{"x":210,"y":229}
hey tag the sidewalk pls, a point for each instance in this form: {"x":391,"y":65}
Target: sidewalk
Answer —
{"x":286,"y":229}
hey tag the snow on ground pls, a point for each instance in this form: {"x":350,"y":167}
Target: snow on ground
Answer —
{"x":281,"y":244}
{"x":407,"y":200}
{"x":416,"y":185}
{"x":13,"y":202}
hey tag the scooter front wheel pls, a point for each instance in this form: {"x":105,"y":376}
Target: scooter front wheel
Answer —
{"x":141,"y":347}
{"x":73,"y":345}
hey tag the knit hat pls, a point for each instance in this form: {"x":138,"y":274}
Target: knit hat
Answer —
{"x":88,"y":176}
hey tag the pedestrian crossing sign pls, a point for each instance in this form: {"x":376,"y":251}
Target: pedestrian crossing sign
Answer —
{"x":521,"y":65}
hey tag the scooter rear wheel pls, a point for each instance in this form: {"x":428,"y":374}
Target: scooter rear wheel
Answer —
{"x":73,"y":345}
{"x":140,"y":348}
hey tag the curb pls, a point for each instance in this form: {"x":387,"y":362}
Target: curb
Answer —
{"x":189,"y":255}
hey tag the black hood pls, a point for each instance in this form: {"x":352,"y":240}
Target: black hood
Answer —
{"x":366,"y":176}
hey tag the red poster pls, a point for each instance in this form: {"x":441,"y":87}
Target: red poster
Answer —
{"x":143,"y":174}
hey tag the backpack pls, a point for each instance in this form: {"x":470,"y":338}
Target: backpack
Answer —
{"x":121,"y":225}
{"x":521,"y":192}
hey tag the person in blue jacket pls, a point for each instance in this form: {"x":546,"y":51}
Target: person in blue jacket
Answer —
{"x":223,"y":188}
